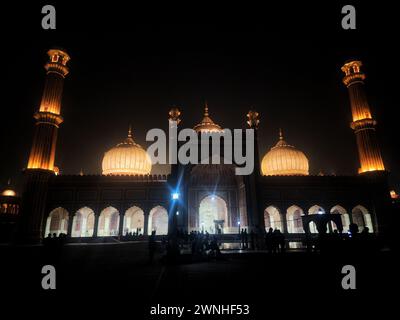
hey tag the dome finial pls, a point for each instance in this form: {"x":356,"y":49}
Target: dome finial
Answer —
{"x":280,"y":134}
{"x":130,"y":131}
{"x":206,"y":109}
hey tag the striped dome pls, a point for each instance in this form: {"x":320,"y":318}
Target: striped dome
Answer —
{"x":127,"y":158}
{"x":284,"y":159}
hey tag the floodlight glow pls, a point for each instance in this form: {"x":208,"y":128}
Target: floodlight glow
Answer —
{"x":175,"y":196}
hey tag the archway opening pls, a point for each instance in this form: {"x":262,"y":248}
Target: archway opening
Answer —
{"x":57,"y":222}
{"x":315,"y":210}
{"x":343,"y":215}
{"x":134,"y":221}
{"x":213,"y":215}
{"x":362,"y":218}
{"x":83,"y":223}
{"x":272,"y":218}
{"x":108,"y":222}
{"x":158,"y":220}
{"x":294,"y":220}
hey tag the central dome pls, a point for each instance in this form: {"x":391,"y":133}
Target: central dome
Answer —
{"x":127,"y":158}
{"x":285,"y":160}
{"x":207,"y":124}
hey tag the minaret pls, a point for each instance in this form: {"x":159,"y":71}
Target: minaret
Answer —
{"x":48,"y":117}
{"x":180,"y":220}
{"x":255,"y":220}
{"x":363,"y":124}
{"x":41,"y":159}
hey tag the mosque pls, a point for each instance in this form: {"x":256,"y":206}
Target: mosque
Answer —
{"x":204,"y":197}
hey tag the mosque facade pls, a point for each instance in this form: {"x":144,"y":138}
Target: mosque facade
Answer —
{"x":127,"y":198}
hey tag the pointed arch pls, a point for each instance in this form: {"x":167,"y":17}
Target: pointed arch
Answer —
{"x":362,"y":217}
{"x":57,"y":222}
{"x":133,"y":221}
{"x":343,"y":215}
{"x":316,"y":209}
{"x":108,"y":222}
{"x":158,"y":220}
{"x":83,"y":223}
{"x":272,"y":218}
{"x":294,"y":220}
{"x":213,"y":208}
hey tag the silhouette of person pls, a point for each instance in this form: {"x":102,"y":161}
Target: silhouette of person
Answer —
{"x":152,"y":246}
{"x":269,"y":239}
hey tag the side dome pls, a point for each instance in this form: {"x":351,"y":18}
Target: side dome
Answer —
{"x":9,"y":191}
{"x":284,"y":160}
{"x":127,"y":158}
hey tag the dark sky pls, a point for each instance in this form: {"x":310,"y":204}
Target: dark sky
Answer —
{"x":129,"y":64}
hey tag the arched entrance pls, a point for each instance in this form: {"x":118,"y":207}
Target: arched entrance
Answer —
{"x":134,"y":221}
{"x":344,"y":216}
{"x":213,"y":215}
{"x":83,"y":223}
{"x":108,"y":222}
{"x":158,"y":220}
{"x":57,"y":222}
{"x":362,"y":218}
{"x":294,"y":221}
{"x":315,"y":210}
{"x":272,"y":218}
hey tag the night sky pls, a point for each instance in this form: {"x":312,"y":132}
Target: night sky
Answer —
{"x":130,"y":64}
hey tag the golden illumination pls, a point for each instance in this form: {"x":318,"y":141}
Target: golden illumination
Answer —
{"x":174,"y":115}
{"x":363,"y":123}
{"x":394,"y":195}
{"x":48,"y":117}
{"x":56,"y":70}
{"x":352,"y":71}
{"x":207,"y":124}
{"x":9,"y":193}
{"x":127,"y":158}
{"x":284,"y":159}
{"x":253,"y":119}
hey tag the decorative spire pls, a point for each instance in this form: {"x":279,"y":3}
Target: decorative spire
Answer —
{"x":207,"y":124}
{"x":9,"y":182}
{"x":130,"y":131}
{"x":174,"y":114}
{"x":280,"y":134}
{"x":206,"y":114}
{"x":253,"y":119}
{"x":129,"y":140}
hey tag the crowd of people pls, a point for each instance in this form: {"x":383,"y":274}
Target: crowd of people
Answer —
{"x":54,"y":240}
